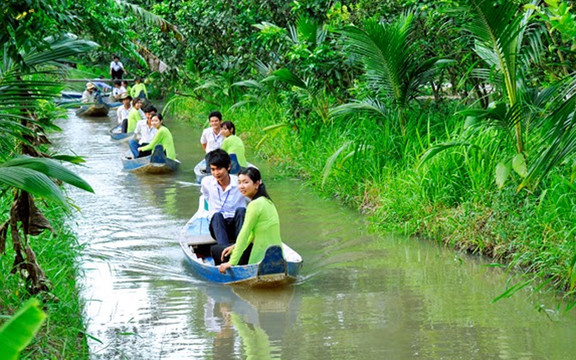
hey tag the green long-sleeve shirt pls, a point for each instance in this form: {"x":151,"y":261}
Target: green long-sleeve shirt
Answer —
{"x":137,"y":88}
{"x":261,"y":227}
{"x":234,"y":145}
{"x":163,"y":137}
{"x":133,"y":118}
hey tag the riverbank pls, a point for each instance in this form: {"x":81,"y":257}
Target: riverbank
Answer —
{"x":530,"y":233}
{"x":62,"y":334}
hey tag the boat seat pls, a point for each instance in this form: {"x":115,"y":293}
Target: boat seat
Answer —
{"x":202,"y":240}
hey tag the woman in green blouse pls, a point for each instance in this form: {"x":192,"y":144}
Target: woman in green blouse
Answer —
{"x":261,"y":227}
{"x":232,"y":144}
{"x":163,"y":137}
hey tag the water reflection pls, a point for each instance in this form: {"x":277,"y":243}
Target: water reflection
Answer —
{"x":248,"y":323}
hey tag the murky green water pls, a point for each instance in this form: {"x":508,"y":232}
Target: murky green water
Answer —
{"x":359,"y":296}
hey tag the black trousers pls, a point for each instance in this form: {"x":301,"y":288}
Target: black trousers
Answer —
{"x":117,"y":74}
{"x":225,"y":231}
{"x":216,"y":252}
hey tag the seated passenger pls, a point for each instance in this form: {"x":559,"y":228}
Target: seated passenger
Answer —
{"x":135,"y":115}
{"x":125,"y":85}
{"x":143,"y":134}
{"x":163,"y":137}
{"x":101,"y":84}
{"x":118,"y":90}
{"x":139,"y":89}
{"x":124,"y":110}
{"x":211,"y":138}
{"x":225,"y":203}
{"x":89,"y":95}
{"x":261,"y":227}
{"x":232,"y":144}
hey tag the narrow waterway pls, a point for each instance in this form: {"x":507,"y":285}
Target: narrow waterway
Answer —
{"x":359,"y":296}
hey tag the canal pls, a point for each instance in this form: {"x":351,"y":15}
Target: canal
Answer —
{"x":359,"y":296}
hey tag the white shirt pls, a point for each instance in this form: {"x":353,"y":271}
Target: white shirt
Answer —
{"x":88,"y":97}
{"x":122,"y":113}
{"x":211,"y":140}
{"x":145,"y":133}
{"x":116,"y":65}
{"x":223,"y":201}
{"x":117,"y":91}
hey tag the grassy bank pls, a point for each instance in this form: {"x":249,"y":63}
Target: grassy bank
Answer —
{"x":62,"y":334}
{"x":451,"y":199}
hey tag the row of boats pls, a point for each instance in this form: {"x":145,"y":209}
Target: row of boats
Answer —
{"x":279,"y":266}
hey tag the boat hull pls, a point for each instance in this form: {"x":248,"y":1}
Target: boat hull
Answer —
{"x":96,"y":110}
{"x":157,"y":163}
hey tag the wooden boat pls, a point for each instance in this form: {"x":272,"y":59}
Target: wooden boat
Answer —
{"x":96,"y":110}
{"x":157,"y":163}
{"x":201,"y":170}
{"x":280,"y":265}
{"x":116,"y":134}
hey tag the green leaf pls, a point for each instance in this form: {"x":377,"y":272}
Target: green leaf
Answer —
{"x":512,"y":290}
{"x":330,"y":162}
{"x":519,"y":165}
{"x":502,"y":173}
{"x":288,"y":77}
{"x":50,"y":168}
{"x":32,"y":181}
{"x":17,"y":333}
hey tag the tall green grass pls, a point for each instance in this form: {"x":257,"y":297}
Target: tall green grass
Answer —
{"x":452,"y":198}
{"x":62,"y":334}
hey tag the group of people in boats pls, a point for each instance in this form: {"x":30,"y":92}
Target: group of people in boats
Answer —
{"x":120,"y":86}
{"x":95,"y":88}
{"x":243,"y":219}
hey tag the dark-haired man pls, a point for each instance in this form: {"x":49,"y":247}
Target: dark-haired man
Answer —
{"x":143,"y":134}
{"x":212,"y":138}
{"x":116,"y":69}
{"x":227,"y":206}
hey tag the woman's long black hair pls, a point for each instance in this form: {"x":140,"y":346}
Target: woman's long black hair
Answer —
{"x":254,"y":175}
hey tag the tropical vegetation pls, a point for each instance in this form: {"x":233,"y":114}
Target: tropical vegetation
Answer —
{"x":446,"y":119}
{"x":455,"y":118}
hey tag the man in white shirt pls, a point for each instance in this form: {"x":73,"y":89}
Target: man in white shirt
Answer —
{"x":124,"y":109}
{"x":144,"y":133}
{"x":226,"y":205}
{"x":118,"y":90}
{"x":117,"y":69}
{"x":211,"y":138}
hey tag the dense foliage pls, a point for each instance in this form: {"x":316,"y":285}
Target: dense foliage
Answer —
{"x":471,"y":103}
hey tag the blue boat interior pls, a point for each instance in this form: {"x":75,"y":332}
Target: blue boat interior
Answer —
{"x":273,"y":262}
{"x":158,"y":155}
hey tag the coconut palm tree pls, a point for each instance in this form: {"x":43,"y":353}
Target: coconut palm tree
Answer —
{"x":390,"y":57}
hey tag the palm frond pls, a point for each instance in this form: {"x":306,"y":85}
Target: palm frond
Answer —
{"x":286,"y":76}
{"x":331,"y":160}
{"x":370,"y":107}
{"x":50,"y":168}
{"x":33,"y":182}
